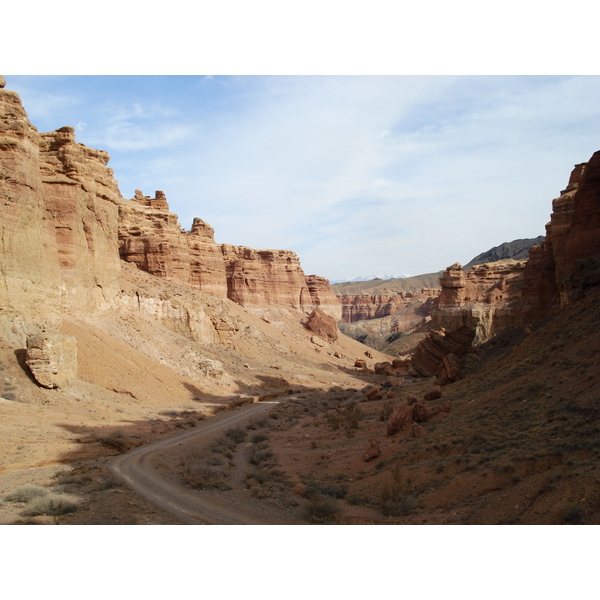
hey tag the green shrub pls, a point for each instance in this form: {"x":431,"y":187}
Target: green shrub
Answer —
{"x":26,"y":493}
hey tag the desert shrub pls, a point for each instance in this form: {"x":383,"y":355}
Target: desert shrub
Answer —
{"x":320,"y":511}
{"x":358,"y":500}
{"x":115,"y":442}
{"x":326,"y":489}
{"x":394,"y":502}
{"x":236,"y":435}
{"x":206,"y":477}
{"x":26,"y":493}
{"x":347,"y":417}
{"x":259,"y":437}
{"x":258,"y":456}
{"x":51,"y":504}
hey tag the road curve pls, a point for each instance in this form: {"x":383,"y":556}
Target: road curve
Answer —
{"x":136,"y":469}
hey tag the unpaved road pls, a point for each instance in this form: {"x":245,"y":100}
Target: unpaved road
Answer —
{"x":137,"y":470}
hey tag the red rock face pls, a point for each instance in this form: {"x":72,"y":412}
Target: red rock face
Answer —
{"x":409,"y":307}
{"x":482,"y":298}
{"x":323,"y":325}
{"x":323,"y":297}
{"x":152,"y":238}
{"x":568,"y":262}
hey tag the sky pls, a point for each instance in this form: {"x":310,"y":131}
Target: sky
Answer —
{"x":360,"y":175}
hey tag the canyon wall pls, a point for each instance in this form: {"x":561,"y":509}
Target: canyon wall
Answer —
{"x":361,"y":307}
{"x":151,"y":237}
{"x":484,"y":298}
{"x":567,"y":263}
{"x":58,"y":227}
{"x":66,"y":228}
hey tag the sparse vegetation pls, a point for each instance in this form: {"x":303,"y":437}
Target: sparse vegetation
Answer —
{"x":320,"y":511}
{"x":26,"y":493}
{"x":51,"y":504}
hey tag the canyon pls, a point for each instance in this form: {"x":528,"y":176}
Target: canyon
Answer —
{"x":118,"y":327}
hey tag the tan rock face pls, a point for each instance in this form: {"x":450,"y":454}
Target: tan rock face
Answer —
{"x":323,"y":297}
{"x":58,"y":225}
{"x":152,"y":238}
{"x":52,"y":358}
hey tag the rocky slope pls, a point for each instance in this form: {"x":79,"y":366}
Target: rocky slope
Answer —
{"x":515,"y":250}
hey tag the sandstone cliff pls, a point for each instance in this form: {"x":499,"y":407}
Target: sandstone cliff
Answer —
{"x":567,"y":264}
{"x":58,"y":227}
{"x":484,"y":298}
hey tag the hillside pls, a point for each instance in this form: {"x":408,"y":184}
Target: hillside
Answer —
{"x":515,"y":250}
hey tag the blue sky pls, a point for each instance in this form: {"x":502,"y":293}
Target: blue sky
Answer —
{"x":358,"y":174}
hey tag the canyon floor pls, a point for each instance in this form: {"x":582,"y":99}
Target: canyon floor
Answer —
{"x":519,"y":446}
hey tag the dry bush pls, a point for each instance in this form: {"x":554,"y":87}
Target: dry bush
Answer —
{"x":320,"y":511}
{"x":26,"y":493}
{"x":52,"y":504}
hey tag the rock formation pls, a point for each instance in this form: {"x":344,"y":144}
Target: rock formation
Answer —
{"x":52,"y":358}
{"x":567,"y":263}
{"x":151,"y":237}
{"x":483,"y":298}
{"x":323,"y":325}
{"x":65,"y":228}
{"x":58,"y":227}
{"x":408,"y":307}
{"x":428,"y":360}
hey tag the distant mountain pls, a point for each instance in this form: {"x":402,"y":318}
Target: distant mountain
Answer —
{"x":386,"y":285}
{"x":389,"y":287}
{"x":516,"y":250}
{"x":369,"y":278}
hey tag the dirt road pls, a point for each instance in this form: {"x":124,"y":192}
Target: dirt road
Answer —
{"x":136,"y":468}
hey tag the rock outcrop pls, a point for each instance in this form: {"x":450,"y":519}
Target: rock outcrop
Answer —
{"x":323,"y":325}
{"x":52,"y":359}
{"x":408,"y":308}
{"x":483,"y":298}
{"x":58,"y":226}
{"x":65,"y":230}
{"x":428,"y":360}
{"x":567,"y":264}
{"x":151,"y":237}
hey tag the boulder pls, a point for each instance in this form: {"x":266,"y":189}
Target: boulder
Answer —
{"x":400,"y":418}
{"x":373,"y":451}
{"x":322,"y":325}
{"x":450,"y":370}
{"x":52,"y":359}
{"x":433,"y":394}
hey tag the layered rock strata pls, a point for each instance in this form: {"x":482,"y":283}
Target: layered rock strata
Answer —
{"x":562,"y":269}
{"x":151,"y":237}
{"x":361,"y":307}
{"x":58,"y":227}
{"x":483,"y":298}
